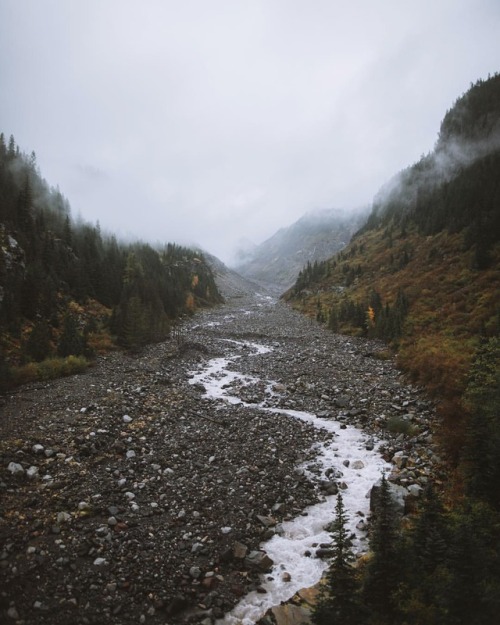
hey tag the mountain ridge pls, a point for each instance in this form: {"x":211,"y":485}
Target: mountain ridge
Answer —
{"x":313,"y":237}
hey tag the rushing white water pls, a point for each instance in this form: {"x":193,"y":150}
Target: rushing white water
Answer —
{"x":346,"y":454}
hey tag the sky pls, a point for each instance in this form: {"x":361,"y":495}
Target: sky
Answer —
{"x":215,"y":122}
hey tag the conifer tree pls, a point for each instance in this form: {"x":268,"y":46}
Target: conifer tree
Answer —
{"x":71,"y":342}
{"x":339,"y":600}
{"x":383,"y":571}
{"x":38,"y":345}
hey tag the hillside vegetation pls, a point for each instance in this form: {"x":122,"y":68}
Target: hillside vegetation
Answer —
{"x":68,"y":291}
{"x":423,"y":274}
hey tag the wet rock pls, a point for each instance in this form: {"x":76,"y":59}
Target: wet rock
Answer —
{"x":259,"y":560}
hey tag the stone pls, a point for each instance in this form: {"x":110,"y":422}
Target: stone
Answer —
{"x":259,"y":560}
{"x":357,"y":465}
{"x":267,"y":521}
{"x":13,"y":613}
{"x":32,"y":472}
{"x":289,"y":614}
{"x":15,"y":468}
{"x":239,"y":550}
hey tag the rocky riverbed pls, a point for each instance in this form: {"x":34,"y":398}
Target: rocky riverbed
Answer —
{"x":128,"y":496}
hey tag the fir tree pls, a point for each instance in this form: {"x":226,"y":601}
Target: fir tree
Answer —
{"x":339,"y":600}
{"x":383,"y":571}
{"x":71,"y":342}
{"x":38,"y":346}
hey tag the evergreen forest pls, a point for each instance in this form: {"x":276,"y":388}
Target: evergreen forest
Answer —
{"x":68,"y":291}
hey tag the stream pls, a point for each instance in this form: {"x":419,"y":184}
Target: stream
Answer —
{"x":346,"y":457}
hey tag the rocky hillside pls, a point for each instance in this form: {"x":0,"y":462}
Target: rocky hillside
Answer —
{"x":314,"y":237}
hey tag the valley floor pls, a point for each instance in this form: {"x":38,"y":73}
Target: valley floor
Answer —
{"x":129,"y":494}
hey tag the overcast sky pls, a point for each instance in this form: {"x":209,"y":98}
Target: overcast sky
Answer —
{"x":209,"y":121}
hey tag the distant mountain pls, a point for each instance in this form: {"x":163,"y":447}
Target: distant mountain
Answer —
{"x":230,"y":284}
{"x":314,"y":237}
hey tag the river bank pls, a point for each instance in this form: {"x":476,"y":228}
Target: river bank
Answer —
{"x":140,"y":499}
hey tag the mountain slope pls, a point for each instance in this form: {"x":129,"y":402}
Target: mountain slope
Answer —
{"x":424,"y":272}
{"x":314,"y":237}
{"x":68,"y":290}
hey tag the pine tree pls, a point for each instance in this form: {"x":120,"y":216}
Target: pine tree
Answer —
{"x":71,"y":342}
{"x":482,"y":454}
{"x":339,"y":600}
{"x":38,"y":346}
{"x":425,"y":582}
{"x":383,"y":571}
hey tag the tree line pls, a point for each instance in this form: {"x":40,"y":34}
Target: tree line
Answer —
{"x":444,"y":567}
{"x":64,"y":284}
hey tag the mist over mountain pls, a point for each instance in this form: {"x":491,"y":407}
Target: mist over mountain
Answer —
{"x":423,"y":272}
{"x":314,"y":237}
{"x":230,"y":284}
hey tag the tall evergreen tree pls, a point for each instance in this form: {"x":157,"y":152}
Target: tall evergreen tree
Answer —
{"x":383,"y":570}
{"x":71,"y":342}
{"x":339,"y":600}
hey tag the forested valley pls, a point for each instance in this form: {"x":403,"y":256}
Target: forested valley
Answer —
{"x":156,"y":490}
{"x":69,"y":291}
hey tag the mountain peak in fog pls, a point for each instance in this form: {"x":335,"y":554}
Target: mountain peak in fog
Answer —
{"x":317,"y":235}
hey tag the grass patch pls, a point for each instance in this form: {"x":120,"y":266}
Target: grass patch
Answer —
{"x":398,"y":425}
{"x":48,"y":369}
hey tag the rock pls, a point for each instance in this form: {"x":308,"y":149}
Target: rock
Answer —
{"x":15,"y":468}
{"x":286,"y":577}
{"x":289,"y":614}
{"x":329,"y":487}
{"x":13,"y":613}
{"x":130,"y":454}
{"x":126,"y":418}
{"x":239,"y":550}
{"x":193,"y":454}
{"x":32,"y":472}
{"x":357,"y":465}
{"x":267,"y":521}
{"x":99,"y":561}
{"x":323,"y":552}
{"x":195,"y":572}
{"x":397,"y":493}
{"x":259,"y":560}
{"x":37,"y":449}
